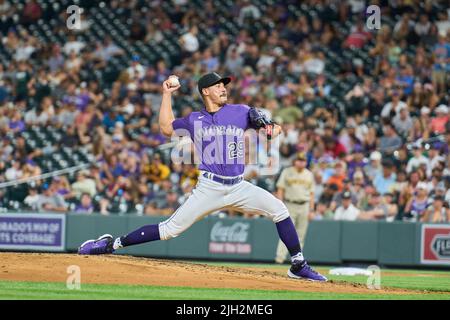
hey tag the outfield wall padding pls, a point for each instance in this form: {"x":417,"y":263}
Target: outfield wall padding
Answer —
{"x":327,"y":242}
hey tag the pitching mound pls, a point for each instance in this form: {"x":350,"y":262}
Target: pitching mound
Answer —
{"x":115,"y":269}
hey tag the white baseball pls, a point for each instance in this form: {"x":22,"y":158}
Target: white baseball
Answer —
{"x":173,"y":81}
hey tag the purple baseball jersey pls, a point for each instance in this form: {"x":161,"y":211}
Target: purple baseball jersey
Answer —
{"x":218,"y":138}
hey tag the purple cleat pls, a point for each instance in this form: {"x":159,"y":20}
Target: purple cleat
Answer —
{"x":103,"y":245}
{"x":301,"y":270}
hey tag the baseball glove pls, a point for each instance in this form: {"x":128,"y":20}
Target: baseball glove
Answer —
{"x":257,"y":119}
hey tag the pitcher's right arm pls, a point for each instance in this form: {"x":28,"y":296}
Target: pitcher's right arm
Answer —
{"x":166,"y":116}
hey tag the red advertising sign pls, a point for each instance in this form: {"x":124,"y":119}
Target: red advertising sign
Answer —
{"x":435,"y":244}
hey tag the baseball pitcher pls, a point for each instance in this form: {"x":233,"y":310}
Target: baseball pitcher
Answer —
{"x":218,"y":135}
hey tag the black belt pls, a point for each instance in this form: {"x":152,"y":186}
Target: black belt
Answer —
{"x":297,"y":202}
{"x":227,"y":181}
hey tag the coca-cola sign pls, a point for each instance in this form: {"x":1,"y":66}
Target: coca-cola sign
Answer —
{"x":237,"y":232}
{"x":230,"y":239}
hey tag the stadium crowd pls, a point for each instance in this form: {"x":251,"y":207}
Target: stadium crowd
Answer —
{"x":379,"y":152}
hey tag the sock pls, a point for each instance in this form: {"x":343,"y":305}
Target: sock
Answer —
{"x":288,"y":234}
{"x":144,"y":234}
{"x":298,"y":257}
{"x":117,"y":244}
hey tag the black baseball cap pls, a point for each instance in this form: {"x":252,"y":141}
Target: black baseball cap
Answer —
{"x":211,"y":79}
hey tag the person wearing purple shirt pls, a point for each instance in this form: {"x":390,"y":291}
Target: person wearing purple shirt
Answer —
{"x":16,"y":123}
{"x":218,"y":135}
{"x":358,"y":161}
{"x":85,"y":205}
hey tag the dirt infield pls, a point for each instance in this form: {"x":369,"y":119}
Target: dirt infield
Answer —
{"x":115,"y":269}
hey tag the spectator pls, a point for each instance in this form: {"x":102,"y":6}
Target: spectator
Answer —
{"x":16,"y":124}
{"x":151,"y":209}
{"x":170,"y":204}
{"x":377,"y":209}
{"x":156,"y":171}
{"x":357,"y":161}
{"x":400,"y":183}
{"x":384,"y":181}
{"x":189,"y":41}
{"x":32,"y":199}
{"x":373,"y":168}
{"x":338,"y":176}
{"x":136,"y":70}
{"x":84,"y":184}
{"x":418,"y":203}
{"x":338,"y":197}
{"x":32,"y":12}
{"x":85,"y":205}
{"x":73,"y":45}
{"x":390,"y":141}
{"x":392,"y":206}
{"x":14,"y":172}
{"x":435,"y":158}
{"x":423,"y":26}
{"x":30,"y":169}
{"x":62,"y":186}
{"x":234,"y":61}
{"x":439,"y":122}
{"x":441,"y":66}
{"x":328,"y":194}
{"x":248,"y":12}
{"x":437,"y":213}
{"x":417,"y":159}
{"x":56,"y":60}
{"x":394,"y":106}
{"x":358,"y":36}
{"x":347,"y":211}
{"x":333,"y":147}
{"x":50,"y":200}
{"x":322,"y":212}
{"x":402,"y":122}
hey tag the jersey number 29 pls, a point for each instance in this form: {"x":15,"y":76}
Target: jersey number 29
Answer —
{"x":235,"y":150}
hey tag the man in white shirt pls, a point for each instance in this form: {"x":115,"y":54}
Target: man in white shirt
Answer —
{"x":315,"y":64}
{"x":249,"y":10}
{"x":73,"y":45}
{"x":394,"y":105}
{"x":403,"y":122}
{"x":417,"y":159}
{"x":434,"y":155}
{"x":84,"y":184}
{"x":14,"y":172}
{"x":189,"y":40}
{"x":347,"y":211}
{"x":136,"y":71}
{"x":33,"y":197}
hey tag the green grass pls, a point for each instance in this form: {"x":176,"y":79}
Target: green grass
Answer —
{"x":426,"y":285}
{"x":418,"y":279}
{"x":58,"y":291}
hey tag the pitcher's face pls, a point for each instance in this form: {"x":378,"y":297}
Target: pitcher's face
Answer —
{"x":216,"y":93}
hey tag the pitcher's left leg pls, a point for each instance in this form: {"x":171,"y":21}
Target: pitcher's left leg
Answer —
{"x":250,"y":198}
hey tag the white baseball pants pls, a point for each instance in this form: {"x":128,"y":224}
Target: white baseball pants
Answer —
{"x":210,"y":196}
